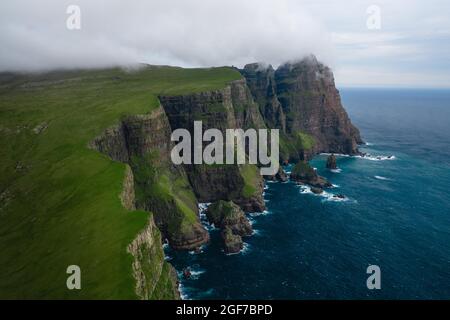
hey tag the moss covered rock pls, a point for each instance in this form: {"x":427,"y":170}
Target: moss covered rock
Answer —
{"x":304,"y":173}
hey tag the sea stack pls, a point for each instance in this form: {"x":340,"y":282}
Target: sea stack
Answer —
{"x":303,"y":173}
{"x":230,"y":218}
{"x":331,"y":162}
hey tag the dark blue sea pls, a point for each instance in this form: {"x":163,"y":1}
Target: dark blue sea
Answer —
{"x":396,"y":215}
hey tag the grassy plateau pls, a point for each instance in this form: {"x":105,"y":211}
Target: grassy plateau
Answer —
{"x":59,"y":200}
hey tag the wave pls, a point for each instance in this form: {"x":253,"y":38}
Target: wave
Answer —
{"x":256,"y":214}
{"x":245,"y":249}
{"x":382,"y":178}
{"x":375,"y":158}
{"x":183,"y":291}
{"x":327,"y":196}
{"x":366,"y":156}
{"x":338,"y":170}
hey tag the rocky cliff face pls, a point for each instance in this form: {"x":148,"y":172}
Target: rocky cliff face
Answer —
{"x":310,"y":106}
{"x":143,"y":142}
{"x":155,"y":278}
{"x":228,"y":108}
{"x":261,"y":82}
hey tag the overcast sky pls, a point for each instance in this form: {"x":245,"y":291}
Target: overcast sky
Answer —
{"x":410,"y":49}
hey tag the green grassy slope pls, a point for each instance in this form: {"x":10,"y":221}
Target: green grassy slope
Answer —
{"x":59,"y":201}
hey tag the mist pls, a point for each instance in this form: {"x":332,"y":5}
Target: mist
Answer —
{"x":189,"y":33}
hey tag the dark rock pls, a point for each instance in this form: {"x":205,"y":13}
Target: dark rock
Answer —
{"x":280,"y":176}
{"x":232,"y":243}
{"x":231,"y":219}
{"x":331,"y":162}
{"x":226,"y":214}
{"x":316,"y":190}
{"x":304,"y":173}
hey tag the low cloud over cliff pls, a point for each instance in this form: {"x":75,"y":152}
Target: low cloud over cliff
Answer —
{"x":34,"y":36}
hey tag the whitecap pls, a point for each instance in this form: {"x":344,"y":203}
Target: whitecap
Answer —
{"x":183,"y":292}
{"x":375,"y":158}
{"x":256,"y":232}
{"x":337,"y":170}
{"x":256,"y":214}
{"x":327,"y":196}
{"x":382,"y":178}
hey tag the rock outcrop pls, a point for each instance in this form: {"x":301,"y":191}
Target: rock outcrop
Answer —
{"x":305,"y":174}
{"x":280,"y":176}
{"x":232,"y":221}
{"x":331,"y":162}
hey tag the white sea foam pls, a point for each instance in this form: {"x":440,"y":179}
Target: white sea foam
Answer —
{"x":382,"y":178}
{"x":375,"y":158}
{"x":338,"y":170}
{"x":183,"y":292}
{"x":256,"y":214}
{"x":366,"y":156}
{"x":256,"y":232}
{"x":327,"y":196}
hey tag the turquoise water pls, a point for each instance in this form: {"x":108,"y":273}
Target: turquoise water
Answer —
{"x":396,"y":216}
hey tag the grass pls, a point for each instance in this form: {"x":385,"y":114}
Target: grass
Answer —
{"x":251,"y":174}
{"x":59,"y":200}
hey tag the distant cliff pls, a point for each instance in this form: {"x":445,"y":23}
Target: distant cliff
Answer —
{"x":302,"y":101}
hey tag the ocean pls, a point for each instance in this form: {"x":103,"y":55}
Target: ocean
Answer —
{"x":396,"y":215}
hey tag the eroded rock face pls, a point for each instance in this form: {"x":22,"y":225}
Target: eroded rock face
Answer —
{"x":331,"y":162}
{"x":232,"y":242}
{"x":229,"y":217}
{"x":280,"y":176}
{"x":232,"y":107}
{"x":261,"y":82}
{"x":143,"y":142}
{"x":312,"y":104}
{"x":149,"y":267}
{"x":301,"y":97}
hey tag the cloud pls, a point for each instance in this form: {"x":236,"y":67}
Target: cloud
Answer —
{"x":33,"y":34}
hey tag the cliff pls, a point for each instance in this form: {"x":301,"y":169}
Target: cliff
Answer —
{"x":228,"y":108}
{"x":143,"y":142}
{"x":302,"y":101}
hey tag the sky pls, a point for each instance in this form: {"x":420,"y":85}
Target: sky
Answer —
{"x":384,"y":43}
